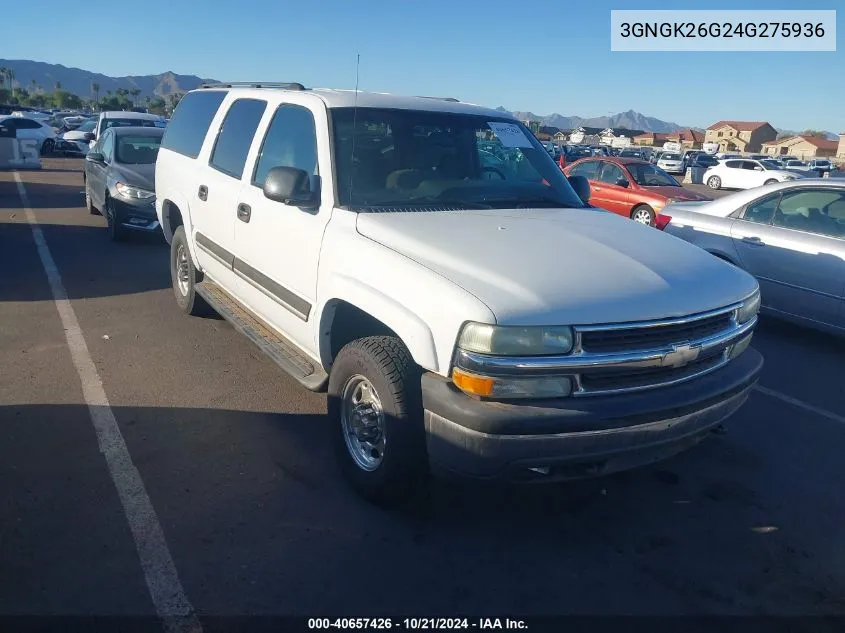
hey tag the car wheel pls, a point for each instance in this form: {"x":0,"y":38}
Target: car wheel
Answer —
{"x":771,"y":181}
{"x":185,"y":276}
{"x":47,"y":146}
{"x":116,"y":232}
{"x":375,"y":404}
{"x":643,"y":214}
{"x":714,"y":182}
{"x":88,"y":203}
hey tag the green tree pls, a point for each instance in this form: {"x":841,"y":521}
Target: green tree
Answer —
{"x":5,"y":95}
{"x":95,"y":88}
{"x":813,"y":133}
{"x":157,"y":105}
{"x":3,"y":76}
{"x":58,"y":86}
{"x":135,"y":92}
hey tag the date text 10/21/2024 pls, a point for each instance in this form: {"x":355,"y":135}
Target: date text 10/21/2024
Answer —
{"x":416,"y":624}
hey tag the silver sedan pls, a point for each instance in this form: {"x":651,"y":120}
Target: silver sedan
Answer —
{"x":789,"y":235}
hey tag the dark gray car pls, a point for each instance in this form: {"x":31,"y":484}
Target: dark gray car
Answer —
{"x":120,"y":179}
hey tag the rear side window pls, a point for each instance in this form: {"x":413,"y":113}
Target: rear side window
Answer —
{"x":590,"y":169}
{"x":235,"y":137}
{"x":189,"y":124}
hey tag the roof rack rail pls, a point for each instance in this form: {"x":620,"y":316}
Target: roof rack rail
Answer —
{"x":452,"y":99}
{"x":256,"y":84}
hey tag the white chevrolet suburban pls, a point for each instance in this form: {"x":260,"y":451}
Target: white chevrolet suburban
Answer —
{"x":428,"y":264}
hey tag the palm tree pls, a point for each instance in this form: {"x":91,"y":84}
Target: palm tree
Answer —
{"x":3,"y":71}
{"x":58,"y":85}
{"x":95,"y":88}
{"x":135,"y":92}
{"x":33,"y":85}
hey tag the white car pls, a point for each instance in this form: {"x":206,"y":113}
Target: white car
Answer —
{"x":471,"y":316}
{"x":35,"y":115}
{"x":742,"y":173}
{"x":671,"y":162}
{"x":29,"y":129}
{"x":82,"y":132}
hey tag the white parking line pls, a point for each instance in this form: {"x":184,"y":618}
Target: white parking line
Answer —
{"x":171,"y":603}
{"x":801,"y":404}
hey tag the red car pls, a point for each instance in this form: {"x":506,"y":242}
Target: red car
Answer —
{"x":631,"y":187}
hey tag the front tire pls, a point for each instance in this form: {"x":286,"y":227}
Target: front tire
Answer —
{"x":644,"y":214}
{"x":47,"y":146}
{"x":375,"y":404}
{"x":714,"y":182}
{"x":185,"y":276}
{"x":116,"y":232}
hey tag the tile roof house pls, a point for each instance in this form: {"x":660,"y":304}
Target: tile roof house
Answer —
{"x":802,"y":147}
{"x":740,"y":136}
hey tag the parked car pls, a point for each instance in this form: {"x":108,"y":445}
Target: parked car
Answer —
{"x":704,"y":161}
{"x":631,"y":187}
{"x":687,"y":156}
{"x":821,"y":166}
{"x":789,"y":235}
{"x":758,"y":156}
{"x":727,"y":156}
{"x":671,"y":162}
{"x":29,"y":129}
{"x":797,"y":164}
{"x":120,"y":179}
{"x":655,"y":156}
{"x":744,"y":174}
{"x":355,"y":239}
{"x":110,"y":119}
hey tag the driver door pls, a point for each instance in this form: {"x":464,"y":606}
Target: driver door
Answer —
{"x":609,"y":194}
{"x":753,"y":173}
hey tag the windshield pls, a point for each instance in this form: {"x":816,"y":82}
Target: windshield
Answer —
{"x":88,"y":126}
{"x":705,"y":160}
{"x":822,"y":163}
{"x":770,"y":164}
{"x":406,"y":159}
{"x":137,"y":150}
{"x":649,"y":175}
{"x":670,"y":156}
{"x":107,"y":123}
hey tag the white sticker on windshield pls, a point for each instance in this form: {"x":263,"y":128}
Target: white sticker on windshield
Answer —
{"x":510,"y":134}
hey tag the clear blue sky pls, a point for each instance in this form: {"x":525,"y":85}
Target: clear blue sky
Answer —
{"x":543,"y":56}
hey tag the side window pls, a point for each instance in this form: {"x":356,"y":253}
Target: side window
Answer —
{"x":26,"y":124}
{"x":733,"y":164}
{"x":235,"y":136}
{"x":751,"y":165}
{"x":185,"y":133}
{"x":761,"y":211}
{"x":590,"y":169}
{"x":10,"y":124}
{"x":108,"y":146}
{"x":812,"y":211}
{"x":610,"y":173}
{"x":291,"y":141}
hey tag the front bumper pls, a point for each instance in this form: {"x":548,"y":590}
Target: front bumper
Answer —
{"x":570,"y":439}
{"x":136,"y":216}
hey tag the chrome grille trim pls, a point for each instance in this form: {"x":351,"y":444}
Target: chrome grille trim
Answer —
{"x":581,"y":364}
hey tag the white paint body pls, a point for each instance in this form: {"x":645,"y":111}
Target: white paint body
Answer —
{"x":743,"y":173}
{"x":426,"y":274}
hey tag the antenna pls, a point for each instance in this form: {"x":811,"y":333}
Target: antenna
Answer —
{"x":354,"y":128}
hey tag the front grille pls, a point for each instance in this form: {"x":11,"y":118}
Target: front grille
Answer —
{"x":644,"y":338}
{"x":642,"y":378}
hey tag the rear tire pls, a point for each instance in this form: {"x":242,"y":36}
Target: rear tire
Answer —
{"x":185,"y":276}
{"x":643,"y":214}
{"x":714,"y":182}
{"x":375,"y":405}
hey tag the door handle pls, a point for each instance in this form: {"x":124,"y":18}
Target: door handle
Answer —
{"x":753,"y":240}
{"x":202,"y":193}
{"x":244,"y":212}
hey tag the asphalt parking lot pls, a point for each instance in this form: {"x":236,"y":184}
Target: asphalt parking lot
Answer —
{"x":235,"y":461}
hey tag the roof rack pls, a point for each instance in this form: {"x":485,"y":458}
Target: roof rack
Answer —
{"x":452,"y":99}
{"x":256,"y":84}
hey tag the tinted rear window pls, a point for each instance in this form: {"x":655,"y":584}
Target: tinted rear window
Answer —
{"x":235,"y":137}
{"x":187,"y":128}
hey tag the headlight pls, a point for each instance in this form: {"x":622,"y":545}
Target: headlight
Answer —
{"x":133,"y":193}
{"x":750,"y":308}
{"x":515,"y":340}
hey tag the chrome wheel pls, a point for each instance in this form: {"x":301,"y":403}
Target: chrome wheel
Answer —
{"x":183,"y":270}
{"x":714,"y":182}
{"x":642,"y":216}
{"x":362,"y":419}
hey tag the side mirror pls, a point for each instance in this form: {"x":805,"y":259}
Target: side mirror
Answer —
{"x":291,"y":186}
{"x":89,"y":136}
{"x":95,"y":157}
{"x":581,"y":186}
{"x":622,"y":182}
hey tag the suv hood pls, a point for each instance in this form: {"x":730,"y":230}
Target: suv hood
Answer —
{"x":561,"y":266}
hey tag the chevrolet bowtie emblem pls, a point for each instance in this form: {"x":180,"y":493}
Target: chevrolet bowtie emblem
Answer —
{"x":681,"y":355}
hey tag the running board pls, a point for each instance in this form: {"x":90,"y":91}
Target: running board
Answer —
{"x":284,"y":353}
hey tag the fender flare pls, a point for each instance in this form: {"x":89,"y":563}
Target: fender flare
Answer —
{"x":185,"y":210}
{"x":412,"y":331}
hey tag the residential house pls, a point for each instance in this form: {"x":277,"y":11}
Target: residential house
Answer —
{"x":561,"y":136}
{"x":585,"y":135}
{"x":549,"y":129}
{"x":740,"y":136}
{"x":688,"y":138}
{"x":803,"y":147}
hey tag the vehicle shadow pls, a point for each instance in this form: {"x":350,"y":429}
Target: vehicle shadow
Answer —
{"x":258,"y":519}
{"x":90,"y":264}
{"x":42,"y":195}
